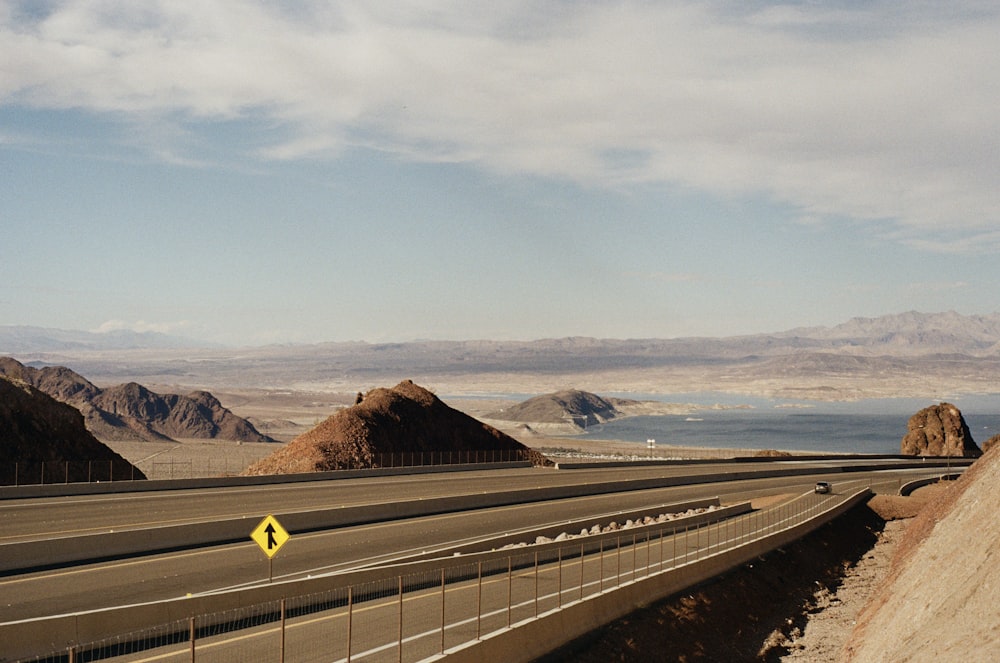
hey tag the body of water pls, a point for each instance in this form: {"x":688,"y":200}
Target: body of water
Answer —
{"x":872,"y":426}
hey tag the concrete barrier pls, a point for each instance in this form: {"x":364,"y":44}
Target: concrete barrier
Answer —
{"x":153,"y":485}
{"x":797,"y":458}
{"x":907,"y":488}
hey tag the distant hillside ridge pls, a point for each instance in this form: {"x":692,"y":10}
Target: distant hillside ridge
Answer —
{"x":581,"y":408}
{"x":890,"y":356}
{"x":131,"y":411}
{"x":909,"y":333}
{"x":406,"y":419}
{"x":23,"y":338}
{"x":37,"y":431}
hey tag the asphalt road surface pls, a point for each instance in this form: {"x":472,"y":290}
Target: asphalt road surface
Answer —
{"x":50,"y":517}
{"x":216,"y":568}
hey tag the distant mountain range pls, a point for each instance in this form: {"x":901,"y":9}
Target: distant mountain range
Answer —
{"x":906,"y":354}
{"x":910,"y":333}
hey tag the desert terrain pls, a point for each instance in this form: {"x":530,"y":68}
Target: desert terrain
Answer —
{"x":287,"y":390}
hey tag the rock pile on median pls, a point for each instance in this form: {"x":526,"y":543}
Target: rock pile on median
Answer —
{"x":613,"y":526}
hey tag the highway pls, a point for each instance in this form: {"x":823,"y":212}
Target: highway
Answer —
{"x":51,"y":517}
{"x":174,"y":574}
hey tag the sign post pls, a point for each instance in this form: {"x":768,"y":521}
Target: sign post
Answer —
{"x":270,"y":536}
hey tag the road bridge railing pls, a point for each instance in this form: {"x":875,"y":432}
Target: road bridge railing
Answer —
{"x":476,"y":607}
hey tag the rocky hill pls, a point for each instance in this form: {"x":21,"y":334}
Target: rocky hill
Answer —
{"x":939,"y":430}
{"x":41,"y":438}
{"x":939,"y":601}
{"x":567,"y":406}
{"x":130,"y":411}
{"x":405,"y":419}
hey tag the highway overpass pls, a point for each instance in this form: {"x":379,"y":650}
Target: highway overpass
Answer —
{"x":382,"y":520}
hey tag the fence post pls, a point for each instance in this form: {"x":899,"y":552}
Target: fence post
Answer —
{"x":350,"y":619}
{"x":581,"y":571}
{"x":192,"y":635}
{"x":442,"y":610}
{"x":536,"y":584}
{"x":559,"y":600}
{"x":635,"y":560}
{"x":479,"y":600}
{"x":42,"y":479}
{"x":281,"y":655}
{"x":400,"y":619}
{"x":619,"y":569}
{"x":649,"y":551}
{"x":510,"y":587}
{"x":602,"y":566}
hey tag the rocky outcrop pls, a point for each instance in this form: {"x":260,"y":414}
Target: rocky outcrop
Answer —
{"x":44,"y":440}
{"x":990,"y":443}
{"x":406,"y":419}
{"x":939,"y":430}
{"x":581,"y":408}
{"x":130,"y":411}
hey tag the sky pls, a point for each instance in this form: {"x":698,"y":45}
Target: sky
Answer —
{"x":248,"y":172}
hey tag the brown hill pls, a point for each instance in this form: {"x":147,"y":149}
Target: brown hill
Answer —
{"x":568,"y":406}
{"x":48,"y":441}
{"x":404,"y":419}
{"x":131,"y":411}
{"x":939,"y":430}
{"x":939,"y":600}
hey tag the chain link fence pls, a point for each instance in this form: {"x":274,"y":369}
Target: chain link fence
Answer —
{"x":33,"y":472}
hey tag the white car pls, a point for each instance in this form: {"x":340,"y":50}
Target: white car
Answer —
{"x":823,"y":487}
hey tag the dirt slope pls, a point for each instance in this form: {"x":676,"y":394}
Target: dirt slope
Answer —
{"x":940,"y":601}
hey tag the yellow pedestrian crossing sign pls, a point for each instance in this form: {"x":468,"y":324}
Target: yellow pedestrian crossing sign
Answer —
{"x":270,"y":535}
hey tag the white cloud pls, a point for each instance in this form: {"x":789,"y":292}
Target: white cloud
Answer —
{"x":880,"y":113}
{"x":142,"y":326}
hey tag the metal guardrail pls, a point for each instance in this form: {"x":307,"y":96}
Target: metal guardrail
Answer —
{"x":447,"y":604}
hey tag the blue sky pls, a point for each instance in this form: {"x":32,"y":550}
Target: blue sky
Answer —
{"x":259,"y":172}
